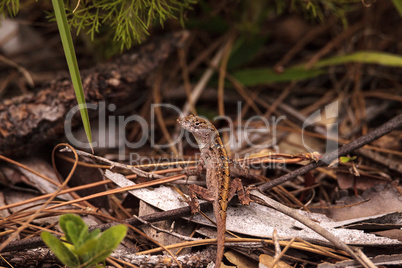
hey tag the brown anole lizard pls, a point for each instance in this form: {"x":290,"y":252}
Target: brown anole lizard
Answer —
{"x":219,"y":187}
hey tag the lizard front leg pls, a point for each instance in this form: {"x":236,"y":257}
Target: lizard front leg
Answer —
{"x":237,"y":187}
{"x":196,"y":191}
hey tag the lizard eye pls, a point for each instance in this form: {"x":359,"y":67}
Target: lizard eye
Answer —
{"x":197,"y":123}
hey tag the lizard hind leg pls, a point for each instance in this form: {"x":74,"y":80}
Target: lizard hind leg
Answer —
{"x":196,"y":191}
{"x":237,"y":187}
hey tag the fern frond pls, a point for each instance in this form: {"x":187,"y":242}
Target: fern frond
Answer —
{"x":130,"y":20}
{"x":12,"y":6}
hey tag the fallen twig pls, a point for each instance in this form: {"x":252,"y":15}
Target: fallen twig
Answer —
{"x":392,"y":124}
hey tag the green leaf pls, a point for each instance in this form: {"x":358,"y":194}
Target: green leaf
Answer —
{"x":74,"y":228}
{"x":345,"y":159}
{"x":97,"y":248}
{"x":112,"y":237}
{"x":398,"y":6}
{"x":257,"y":76}
{"x":60,"y":250}
{"x":94,"y":233}
{"x":69,"y":52}
{"x":367,"y":57}
{"x":87,"y":250}
{"x":108,"y":241}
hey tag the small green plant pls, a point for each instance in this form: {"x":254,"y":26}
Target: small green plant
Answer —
{"x":81,"y":248}
{"x":345,"y":159}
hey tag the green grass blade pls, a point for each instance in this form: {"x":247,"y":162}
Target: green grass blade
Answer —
{"x":69,"y":52}
{"x":367,"y":57}
{"x":257,"y":76}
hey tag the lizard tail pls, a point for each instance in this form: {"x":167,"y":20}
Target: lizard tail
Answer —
{"x":221,"y":247}
{"x":221,"y":230}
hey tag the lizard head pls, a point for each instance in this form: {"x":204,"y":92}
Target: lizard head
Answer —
{"x":203,"y":131}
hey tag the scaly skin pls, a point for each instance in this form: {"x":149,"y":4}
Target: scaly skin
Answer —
{"x":215,"y":159}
